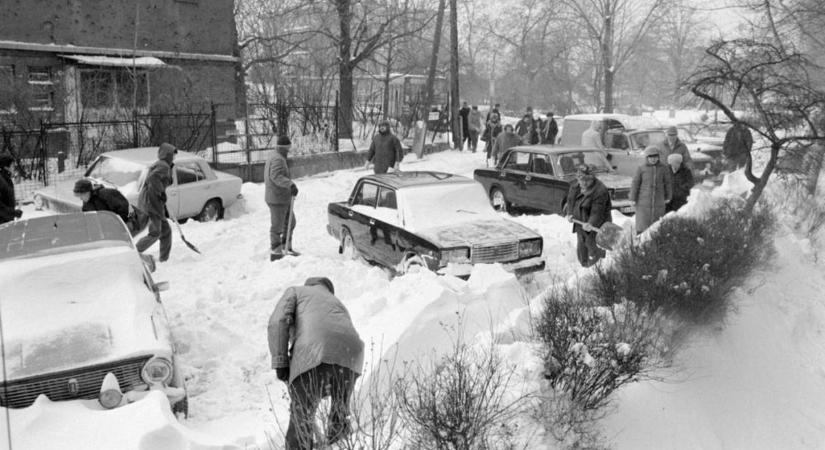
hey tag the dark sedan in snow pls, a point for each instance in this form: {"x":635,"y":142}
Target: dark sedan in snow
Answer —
{"x":538,"y":177}
{"x":439,"y":221}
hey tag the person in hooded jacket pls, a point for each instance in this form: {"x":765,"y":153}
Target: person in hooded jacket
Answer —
{"x":152,"y":202}
{"x":385,"y":150}
{"x":316,"y":350}
{"x":99,"y":198}
{"x":504,"y":142}
{"x":588,"y":201}
{"x":651,"y":189}
{"x":8,"y":204}
{"x":682,"y":178}
{"x":279,"y":192}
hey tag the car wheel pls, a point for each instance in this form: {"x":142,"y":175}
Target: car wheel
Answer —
{"x":348,"y":248}
{"x":181,"y":408}
{"x":211,"y":211}
{"x":498,"y":201}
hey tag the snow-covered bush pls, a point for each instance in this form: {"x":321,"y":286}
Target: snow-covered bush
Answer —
{"x":591,"y":350}
{"x":459,"y":401}
{"x":689,"y":265}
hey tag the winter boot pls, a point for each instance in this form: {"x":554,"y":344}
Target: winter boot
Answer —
{"x":276,"y":253}
{"x":148,"y":261}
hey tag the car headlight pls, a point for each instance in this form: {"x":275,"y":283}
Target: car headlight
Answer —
{"x":455,"y":255}
{"x":38,"y":202}
{"x":110,"y":394}
{"x":157,"y":371}
{"x":531,"y":247}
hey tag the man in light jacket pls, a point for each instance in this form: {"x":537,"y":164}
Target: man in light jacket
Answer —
{"x":317,"y":352}
{"x":592,"y":137}
{"x":385,"y":150}
{"x":504,"y":142}
{"x":152,"y":202}
{"x":278,"y":194}
{"x":651,"y":189}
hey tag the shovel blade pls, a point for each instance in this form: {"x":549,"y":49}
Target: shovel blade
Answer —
{"x":609,"y":236}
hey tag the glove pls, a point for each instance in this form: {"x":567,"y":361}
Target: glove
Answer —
{"x":569,"y":218}
{"x":282,"y":373}
{"x":293,"y":188}
{"x":588,"y":227}
{"x":18,"y":213}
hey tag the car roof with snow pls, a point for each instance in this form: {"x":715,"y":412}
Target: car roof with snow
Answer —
{"x":552,"y":149}
{"x":41,"y":236}
{"x":147,"y":155}
{"x":399,"y":180}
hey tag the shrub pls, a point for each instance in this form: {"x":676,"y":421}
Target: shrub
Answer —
{"x":688,"y":265}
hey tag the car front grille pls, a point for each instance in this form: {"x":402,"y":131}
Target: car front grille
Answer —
{"x":71,"y":384}
{"x":486,"y":254}
{"x":620,"y":194}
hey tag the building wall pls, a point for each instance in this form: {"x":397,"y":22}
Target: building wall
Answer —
{"x":196,"y":26}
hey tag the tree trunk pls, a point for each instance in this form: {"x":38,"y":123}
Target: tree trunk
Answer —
{"x":439,"y":22}
{"x":607,"y":60}
{"x":385,"y":104}
{"x":458,"y":135}
{"x":344,"y":70}
{"x":759,"y":186}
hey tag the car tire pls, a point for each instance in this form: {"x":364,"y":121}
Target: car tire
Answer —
{"x":181,"y":408}
{"x":212,"y":211}
{"x":348,"y":248}
{"x":499,"y":201}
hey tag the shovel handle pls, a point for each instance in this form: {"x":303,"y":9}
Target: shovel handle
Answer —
{"x":596,"y":229}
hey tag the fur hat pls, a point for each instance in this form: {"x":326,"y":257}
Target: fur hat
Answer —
{"x":320,"y":281}
{"x":672,"y":131}
{"x":674,"y":159}
{"x":652,"y":150}
{"x":6,"y":159}
{"x":82,"y":185}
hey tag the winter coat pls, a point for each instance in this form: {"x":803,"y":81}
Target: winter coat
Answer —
{"x":385,"y":152}
{"x":682,"y":183}
{"x":592,"y":206}
{"x":491,"y":132}
{"x":465,"y":114}
{"x":504,"y":142}
{"x":7,"y":201}
{"x":107,"y":199}
{"x":152,"y":197}
{"x":551,"y":130}
{"x":310,"y":326}
{"x":278,"y":183}
{"x":527,"y":132}
{"x":474,"y":120}
{"x":592,"y":139}
{"x":651,"y":189}
{"x":738,"y":141}
{"x":678,"y":147}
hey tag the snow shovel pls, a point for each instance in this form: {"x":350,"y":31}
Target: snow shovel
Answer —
{"x":180,"y":231}
{"x":607,"y":236}
{"x":289,"y":229}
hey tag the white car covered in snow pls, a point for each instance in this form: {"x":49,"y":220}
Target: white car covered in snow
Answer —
{"x":80,"y":306}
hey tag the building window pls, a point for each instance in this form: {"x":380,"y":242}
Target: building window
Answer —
{"x":40,"y":75}
{"x":42,"y":92}
{"x":112,"y":88}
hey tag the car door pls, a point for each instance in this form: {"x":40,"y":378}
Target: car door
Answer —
{"x":191,"y":193}
{"x":360,"y":214}
{"x":512,"y":176}
{"x":384,"y":228}
{"x":545,"y":189}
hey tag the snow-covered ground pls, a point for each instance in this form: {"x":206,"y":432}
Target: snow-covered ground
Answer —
{"x":757,"y":383}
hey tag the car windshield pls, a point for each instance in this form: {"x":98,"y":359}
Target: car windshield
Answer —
{"x":569,"y":162}
{"x":117,"y":171}
{"x":685,"y":136}
{"x":444,"y":204}
{"x":642,"y":139}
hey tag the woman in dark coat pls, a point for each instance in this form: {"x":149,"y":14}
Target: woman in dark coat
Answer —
{"x":650,"y":190}
{"x":682,"y":182}
{"x":491,"y":133}
{"x":588,"y":201}
{"x":8,"y":211}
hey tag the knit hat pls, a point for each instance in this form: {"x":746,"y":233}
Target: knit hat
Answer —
{"x":652,"y":150}
{"x":672,"y":131}
{"x":82,"y":185}
{"x":584,"y":171}
{"x":6,"y":159}
{"x":320,"y":281}
{"x":283,"y":140}
{"x":166,"y":152}
{"x":674,"y":159}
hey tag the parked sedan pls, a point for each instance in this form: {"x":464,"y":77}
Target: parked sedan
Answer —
{"x":196,"y":191}
{"x":78,"y":305}
{"x":626,"y":151}
{"x":538,"y":177}
{"x":439,"y":221}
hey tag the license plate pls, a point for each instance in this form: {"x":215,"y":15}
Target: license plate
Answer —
{"x":626,"y":209}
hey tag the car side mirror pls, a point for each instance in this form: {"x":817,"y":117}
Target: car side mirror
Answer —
{"x":161,"y":286}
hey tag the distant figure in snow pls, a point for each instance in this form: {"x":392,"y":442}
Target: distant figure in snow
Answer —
{"x":474,"y":127}
{"x":8,"y":204}
{"x":650,"y":189}
{"x":592,"y":137}
{"x":550,"y":130}
{"x":279,"y":193}
{"x":737,"y":145}
{"x":526,"y":130}
{"x":464,"y":114}
{"x":491,"y":132}
{"x":385,"y":150}
{"x":682,"y":178}
{"x":588,"y":201}
{"x":152,"y":202}
{"x":504,"y":142}
{"x":672,"y":145}
{"x":317,"y":352}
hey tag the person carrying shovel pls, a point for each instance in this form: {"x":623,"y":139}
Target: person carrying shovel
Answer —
{"x":280,"y":191}
{"x":588,"y":208}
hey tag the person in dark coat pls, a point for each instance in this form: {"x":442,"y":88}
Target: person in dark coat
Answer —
{"x":550,"y":130}
{"x":316,"y":350}
{"x":8,"y":204}
{"x":279,"y":190}
{"x":588,"y":201}
{"x":506,"y":140}
{"x":474,"y":127}
{"x":491,"y":132}
{"x":737,"y":145}
{"x":673,"y":145}
{"x":495,"y":109}
{"x":385,"y":150}
{"x":651,"y":189}
{"x":99,"y":198}
{"x":526,"y":130}
{"x":464,"y":113}
{"x":682,"y":178}
{"x":152,"y":202}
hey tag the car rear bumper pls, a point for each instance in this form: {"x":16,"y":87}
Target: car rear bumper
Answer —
{"x":519,"y":267}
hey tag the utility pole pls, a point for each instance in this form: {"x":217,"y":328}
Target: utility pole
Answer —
{"x":458,"y":137}
{"x":439,"y":23}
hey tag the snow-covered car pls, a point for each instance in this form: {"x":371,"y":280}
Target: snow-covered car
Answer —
{"x":79,"y":304}
{"x":538,"y":177}
{"x":435,"y":220}
{"x":196,"y":190}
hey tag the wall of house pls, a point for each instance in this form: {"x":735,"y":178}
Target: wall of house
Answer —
{"x":196,"y":26}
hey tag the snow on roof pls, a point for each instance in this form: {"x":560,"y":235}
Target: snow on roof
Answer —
{"x":144,"y":62}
